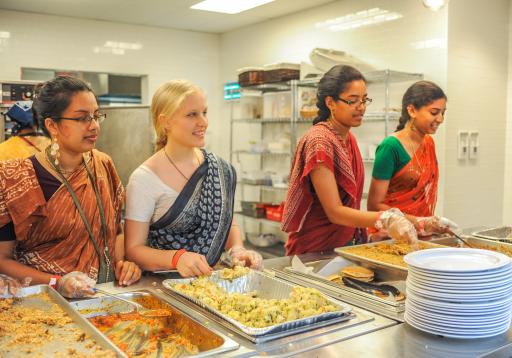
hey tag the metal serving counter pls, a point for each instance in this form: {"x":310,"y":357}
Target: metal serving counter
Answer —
{"x":368,"y":334}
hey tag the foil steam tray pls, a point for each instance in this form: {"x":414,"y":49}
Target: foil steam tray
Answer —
{"x":265,"y":287}
{"x":502,"y":233}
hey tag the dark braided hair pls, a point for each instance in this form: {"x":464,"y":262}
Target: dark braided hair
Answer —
{"x":52,"y":97}
{"x":335,"y":81}
{"x":420,"y":94}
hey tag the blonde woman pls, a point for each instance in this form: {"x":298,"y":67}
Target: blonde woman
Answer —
{"x":179,"y":204}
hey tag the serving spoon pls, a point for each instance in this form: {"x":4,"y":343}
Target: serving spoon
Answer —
{"x":140,"y":309}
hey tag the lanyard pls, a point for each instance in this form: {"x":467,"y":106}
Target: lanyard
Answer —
{"x":104,"y":272}
{"x":30,"y":143}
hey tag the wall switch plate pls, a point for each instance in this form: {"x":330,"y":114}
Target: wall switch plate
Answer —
{"x":463,"y":145}
{"x":473,"y":145}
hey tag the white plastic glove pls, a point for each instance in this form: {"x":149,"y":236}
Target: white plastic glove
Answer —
{"x":9,"y":285}
{"x":242,"y":257}
{"x":450,"y":226}
{"x":397,"y":226}
{"x":75,"y":285}
{"x":436,"y":225}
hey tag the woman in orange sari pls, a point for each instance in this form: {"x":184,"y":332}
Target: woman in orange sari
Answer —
{"x":60,"y":210}
{"x":405,"y":172}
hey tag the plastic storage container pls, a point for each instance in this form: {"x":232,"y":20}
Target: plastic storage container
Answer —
{"x":250,"y":76}
{"x":280,"y":72}
{"x":277,"y":105}
{"x":254,"y":209}
{"x":250,"y":106}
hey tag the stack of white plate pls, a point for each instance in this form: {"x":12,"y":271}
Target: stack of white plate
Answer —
{"x":459,"y":293}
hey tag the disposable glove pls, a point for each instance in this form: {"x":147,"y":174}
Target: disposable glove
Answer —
{"x":242,"y":257}
{"x":9,"y":285}
{"x":75,"y":285}
{"x":436,"y":225}
{"x":397,"y":226}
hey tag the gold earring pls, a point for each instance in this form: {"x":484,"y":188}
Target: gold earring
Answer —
{"x":54,"y":151}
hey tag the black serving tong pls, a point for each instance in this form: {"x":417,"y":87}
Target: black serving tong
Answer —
{"x":379,"y":290}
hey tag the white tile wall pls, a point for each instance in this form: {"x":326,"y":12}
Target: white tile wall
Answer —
{"x":477,"y":84}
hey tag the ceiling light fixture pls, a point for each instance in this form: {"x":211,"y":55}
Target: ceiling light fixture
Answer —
{"x":229,"y":6}
{"x":359,"y":19}
{"x":435,"y":5}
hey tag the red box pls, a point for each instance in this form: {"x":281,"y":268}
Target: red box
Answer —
{"x":274,"y":212}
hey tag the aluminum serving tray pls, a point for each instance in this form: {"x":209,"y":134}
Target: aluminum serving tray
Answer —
{"x":502,"y":233}
{"x":394,"y":310}
{"x":209,"y":342}
{"x":62,"y":335}
{"x":454,"y":242}
{"x":374,"y":264}
{"x":266,"y":287}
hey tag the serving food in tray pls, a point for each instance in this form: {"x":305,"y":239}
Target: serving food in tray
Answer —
{"x":35,"y":325}
{"x":387,"y":252}
{"x":256,"y":303}
{"x":137,"y":335}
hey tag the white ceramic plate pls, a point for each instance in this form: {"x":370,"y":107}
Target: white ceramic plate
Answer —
{"x":491,"y":319}
{"x":459,"y":284}
{"x":470,"y":314}
{"x":446,"y":327}
{"x":463,"y":335}
{"x":502,"y":272}
{"x":492,"y":304}
{"x":460,"y":295}
{"x":457,"y":260}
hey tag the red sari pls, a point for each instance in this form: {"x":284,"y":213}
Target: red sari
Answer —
{"x":413,"y":189}
{"x":304,"y":218}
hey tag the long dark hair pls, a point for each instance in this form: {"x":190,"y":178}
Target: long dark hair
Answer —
{"x":332,"y":84}
{"x":420,"y":94}
{"x":52,"y":97}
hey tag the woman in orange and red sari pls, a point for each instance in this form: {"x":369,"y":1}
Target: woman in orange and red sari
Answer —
{"x":405,"y":172}
{"x":60,"y":209}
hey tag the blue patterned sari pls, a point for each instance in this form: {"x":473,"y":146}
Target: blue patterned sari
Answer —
{"x":200,"y":219}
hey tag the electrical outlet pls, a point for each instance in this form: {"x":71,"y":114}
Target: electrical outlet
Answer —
{"x":463,"y":145}
{"x":473,"y":145}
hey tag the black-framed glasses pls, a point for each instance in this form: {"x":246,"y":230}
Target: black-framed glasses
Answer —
{"x":357,"y":102}
{"x":86,"y":119}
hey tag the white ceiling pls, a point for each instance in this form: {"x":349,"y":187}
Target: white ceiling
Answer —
{"x":165,"y":13}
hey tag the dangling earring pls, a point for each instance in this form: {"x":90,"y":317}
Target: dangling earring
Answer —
{"x":331,"y":118}
{"x":411,"y":124}
{"x":54,"y":151}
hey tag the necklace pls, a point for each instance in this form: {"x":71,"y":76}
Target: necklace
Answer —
{"x":175,"y":166}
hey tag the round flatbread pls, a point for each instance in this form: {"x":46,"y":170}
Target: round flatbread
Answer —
{"x":358,"y":272}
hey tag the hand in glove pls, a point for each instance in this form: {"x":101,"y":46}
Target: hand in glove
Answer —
{"x":397,"y":226}
{"x":9,"y":285}
{"x":75,"y":285}
{"x":242,"y":257}
{"x":435,"y":225}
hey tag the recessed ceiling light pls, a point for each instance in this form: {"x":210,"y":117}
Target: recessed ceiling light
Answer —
{"x":228,"y":6}
{"x":435,"y":5}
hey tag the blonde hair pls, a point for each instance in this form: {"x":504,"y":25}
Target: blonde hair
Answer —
{"x":166,"y":101}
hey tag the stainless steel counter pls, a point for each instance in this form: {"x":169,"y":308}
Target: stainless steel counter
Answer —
{"x":368,"y":335}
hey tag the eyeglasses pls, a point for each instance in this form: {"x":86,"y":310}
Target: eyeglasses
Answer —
{"x":86,"y":119}
{"x":357,"y":102}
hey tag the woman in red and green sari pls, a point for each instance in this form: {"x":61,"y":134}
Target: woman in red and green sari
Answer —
{"x":405,"y":173}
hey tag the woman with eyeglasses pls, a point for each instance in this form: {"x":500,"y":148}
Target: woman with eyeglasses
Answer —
{"x":405,"y":173}
{"x":60,"y":210}
{"x":321,"y":210}
{"x":179,"y":202}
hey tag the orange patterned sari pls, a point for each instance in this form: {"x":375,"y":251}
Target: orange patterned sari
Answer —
{"x":413,"y":189}
{"x":51,"y":236}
